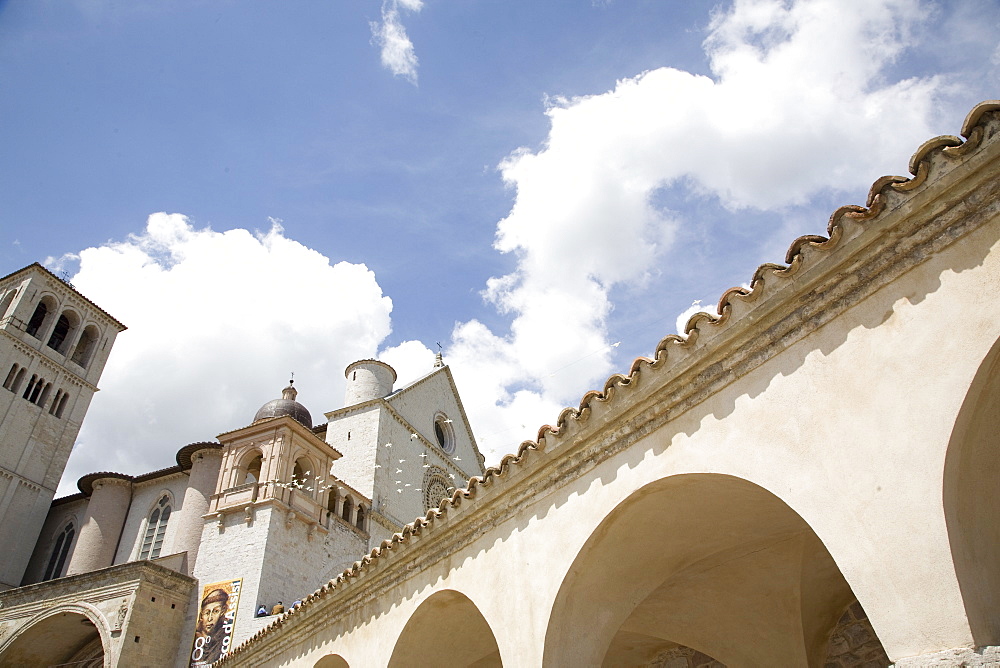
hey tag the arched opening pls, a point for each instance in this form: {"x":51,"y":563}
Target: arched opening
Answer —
{"x":469,"y":640}
{"x":62,"y":405}
{"x":156,"y":529}
{"x":5,"y":302}
{"x":360,"y":521}
{"x":16,"y":385}
{"x":57,"y":560}
{"x":971,"y":495}
{"x":348,"y":509}
{"x":62,"y":333}
{"x":85,"y":346}
{"x":8,"y":383}
{"x":331,"y":661}
{"x":30,"y":387}
{"x":331,"y":501}
{"x":708,"y":562}
{"x":64,"y":638}
{"x":36,"y":323}
{"x":253,"y":462}
{"x":301,"y":474}
{"x":38,"y":386}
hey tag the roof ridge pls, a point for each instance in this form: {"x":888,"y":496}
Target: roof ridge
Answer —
{"x":919,"y":167}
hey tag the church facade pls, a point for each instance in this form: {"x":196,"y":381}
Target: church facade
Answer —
{"x":808,"y":477}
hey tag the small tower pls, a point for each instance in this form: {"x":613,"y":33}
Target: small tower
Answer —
{"x":278,"y":519}
{"x":367,"y":380}
{"x":54,"y":343}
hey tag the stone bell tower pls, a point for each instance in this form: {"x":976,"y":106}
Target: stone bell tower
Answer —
{"x":54,"y":343}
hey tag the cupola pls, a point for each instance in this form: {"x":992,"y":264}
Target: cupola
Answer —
{"x":286,"y":405}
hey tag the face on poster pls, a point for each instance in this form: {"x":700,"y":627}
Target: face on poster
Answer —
{"x":213,"y":633}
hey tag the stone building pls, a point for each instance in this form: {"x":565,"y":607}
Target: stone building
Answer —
{"x":116,"y":574}
{"x":808,"y":477}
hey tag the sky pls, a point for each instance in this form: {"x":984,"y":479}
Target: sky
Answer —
{"x":540,"y":190}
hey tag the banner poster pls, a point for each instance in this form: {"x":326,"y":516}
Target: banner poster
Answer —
{"x":213,"y":634}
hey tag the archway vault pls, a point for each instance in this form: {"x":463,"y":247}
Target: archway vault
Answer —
{"x":447,"y":629}
{"x":709,"y":562}
{"x":65,"y":636}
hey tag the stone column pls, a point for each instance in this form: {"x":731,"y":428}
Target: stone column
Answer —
{"x":102,"y":525}
{"x":205,"y":466}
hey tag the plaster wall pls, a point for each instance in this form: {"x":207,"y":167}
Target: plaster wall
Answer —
{"x":847,"y":424}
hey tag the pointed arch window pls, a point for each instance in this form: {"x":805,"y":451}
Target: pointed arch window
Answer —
{"x":156,"y":529}
{"x":59,"y":552}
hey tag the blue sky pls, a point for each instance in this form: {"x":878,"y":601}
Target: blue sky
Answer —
{"x":261,"y":188}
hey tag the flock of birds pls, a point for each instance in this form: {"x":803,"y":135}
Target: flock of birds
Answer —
{"x":319,"y":483}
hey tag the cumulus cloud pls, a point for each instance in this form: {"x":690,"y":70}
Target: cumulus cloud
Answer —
{"x":217,"y":321}
{"x":797,"y":103}
{"x":398,"y":55}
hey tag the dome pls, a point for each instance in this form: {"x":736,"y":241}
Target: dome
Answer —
{"x":286,"y":405}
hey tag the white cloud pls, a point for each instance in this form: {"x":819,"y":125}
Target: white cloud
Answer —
{"x":217,"y":321}
{"x":398,"y":55}
{"x":799,"y":102}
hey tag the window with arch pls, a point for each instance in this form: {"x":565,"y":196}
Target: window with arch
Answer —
{"x":348,"y":507}
{"x":443,"y":432}
{"x":59,"y":552}
{"x":360,"y":522}
{"x":156,"y":529}
{"x":85,"y":346}
{"x":11,"y":375}
{"x":18,"y":379}
{"x":331,"y":501}
{"x":5,"y":302}
{"x":37,"y":319}
{"x":30,"y":387}
{"x":62,"y":332}
{"x":254,"y":463}
{"x":62,"y":405}
{"x":301,"y":473}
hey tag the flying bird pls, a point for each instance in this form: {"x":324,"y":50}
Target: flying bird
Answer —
{"x":413,"y":437}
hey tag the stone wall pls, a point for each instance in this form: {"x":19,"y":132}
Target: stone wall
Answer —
{"x":853,"y":643}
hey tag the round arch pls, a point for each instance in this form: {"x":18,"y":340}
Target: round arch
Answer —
{"x":66,"y":634}
{"x":704,"y":562}
{"x":467,"y":640}
{"x":971,"y":497}
{"x":332,"y":661}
